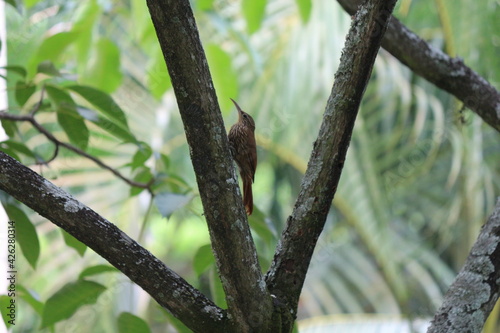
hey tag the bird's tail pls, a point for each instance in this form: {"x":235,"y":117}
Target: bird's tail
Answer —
{"x":247,"y":195}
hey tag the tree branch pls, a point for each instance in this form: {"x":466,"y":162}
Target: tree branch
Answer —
{"x":475,"y":291}
{"x":249,"y":302}
{"x":31,"y":119}
{"x":449,"y":74}
{"x":164,"y":285}
{"x":291,"y":261}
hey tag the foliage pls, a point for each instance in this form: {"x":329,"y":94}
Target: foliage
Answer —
{"x":419,"y":181}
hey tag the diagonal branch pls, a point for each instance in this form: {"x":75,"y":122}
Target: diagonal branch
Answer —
{"x":449,"y":74}
{"x":475,"y":291}
{"x":232,"y":241}
{"x":164,"y":285}
{"x":291,"y":261}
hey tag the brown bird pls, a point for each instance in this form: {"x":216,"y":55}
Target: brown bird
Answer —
{"x":244,"y":151}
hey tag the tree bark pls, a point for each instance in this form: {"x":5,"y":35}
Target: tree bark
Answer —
{"x":291,"y":261}
{"x":164,"y":285}
{"x":249,"y":302}
{"x":475,"y":291}
{"x":447,"y":73}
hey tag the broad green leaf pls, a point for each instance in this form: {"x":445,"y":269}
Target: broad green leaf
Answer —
{"x":17,"y":69}
{"x":23,"y":91}
{"x":10,"y":127}
{"x":84,"y":20}
{"x":25,"y":232}
{"x":157,"y":77}
{"x":18,"y":146}
{"x":305,"y":7}
{"x":74,"y":243}
{"x":68,"y":117}
{"x":98,"y":269}
{"x":102,"y":101}
{"x":144,"y":32}
{"x":30,"y":3}
{"x":205,"y":5}
{"x":47,"y":67}
{"x":12,"y":148}
{"x":13,"y":4}
{"x":167,"y":203}
{"x":67,"y":300}
{"x":115,"y":129}
{"x":26,"y":295}
{"x":6,"y":303}
{"x":6,"y":149}
{"x":258,"y":224}
{"x":203,"y":259}
{"x":179,"y":325}
{"x":103,"y":70}
{"x":85,"y":15}
{"x":141,"y":156}
{"x":129,"y":323}
{"x":54,"y":47}
{"x":254,"y":11}
{"x":224,"y":77}
{"x":143,"y":175}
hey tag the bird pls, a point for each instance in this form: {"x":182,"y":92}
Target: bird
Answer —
{"x":244,"y":152}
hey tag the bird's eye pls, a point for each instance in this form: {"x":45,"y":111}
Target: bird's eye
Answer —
{"x":245,"y":116}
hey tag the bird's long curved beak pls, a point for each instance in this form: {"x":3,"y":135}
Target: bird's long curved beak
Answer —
{"x":238,"y":108}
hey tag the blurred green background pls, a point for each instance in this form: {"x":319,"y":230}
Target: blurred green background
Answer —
{"x":421,"y":175}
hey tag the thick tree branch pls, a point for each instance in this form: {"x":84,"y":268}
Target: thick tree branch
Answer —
{"x":165,"y":286}
{"x":287,"y":273}
{"x":249,"y":302}
{"x":476,"y":289}
{"x":449,"y":74}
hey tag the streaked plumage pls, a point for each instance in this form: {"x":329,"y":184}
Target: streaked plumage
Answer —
{"x":244,"y":151}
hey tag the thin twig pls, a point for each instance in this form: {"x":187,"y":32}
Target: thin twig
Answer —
{"x":53,"y":139}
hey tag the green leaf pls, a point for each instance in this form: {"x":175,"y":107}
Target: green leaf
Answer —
{"x":66,"y":301}
{"x":54,"y":47}
{"x":17,"y":69}
{"x":103,"y":102}
{"x":205,"y":5}
{"x":30,"y":3}
{"x":5,"y":303}
{"x":84,"y":19}
{"x":115,"y":129}
{"x":224,"y":77}
{"x":103,"y":70}
{"x":23,"y":92}
{"x":203,"y":259}
{"x":157,"y":77}
{"x":176,"y":323}
{"x":98,"y":269}
{"x":26,"y":295}
{"x":141,"y":156}
{"x":47,"y":67}
{"x":12,"y":3}
{"x":74,"y":243}
{"x":305,"y":7}
{"x":26,"y":235}
{"x":254,"y":11}
{"x":167,"y":203}
{"x":10,"y":127}
{"x":68,"y":117}
{"x":18,"y":146}
{"x":257,"y":222}
{"x":129,"y":323}
{"x":143,"y":175}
